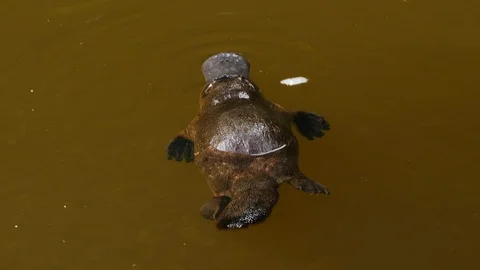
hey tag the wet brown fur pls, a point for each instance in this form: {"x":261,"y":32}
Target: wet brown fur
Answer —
{"x":253,"y":179}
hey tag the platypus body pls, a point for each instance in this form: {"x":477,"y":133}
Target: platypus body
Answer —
{"x":243,"y":144}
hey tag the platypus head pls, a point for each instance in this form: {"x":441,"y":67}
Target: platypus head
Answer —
{"x":227,"y":78}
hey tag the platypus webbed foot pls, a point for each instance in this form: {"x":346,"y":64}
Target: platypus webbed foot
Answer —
{"x":309,"y":186}
{"x":310,"y":125}
{"x":211,"y":209}
{"x":180,"y":148}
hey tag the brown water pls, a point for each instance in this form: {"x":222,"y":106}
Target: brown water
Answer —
{"x":92,"y":91}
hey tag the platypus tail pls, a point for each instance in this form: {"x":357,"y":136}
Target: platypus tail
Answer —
{"x":252,"y":202}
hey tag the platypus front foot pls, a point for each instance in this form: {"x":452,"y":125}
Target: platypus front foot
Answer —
{"x":180,"y":148}
{"x":310,"y":125}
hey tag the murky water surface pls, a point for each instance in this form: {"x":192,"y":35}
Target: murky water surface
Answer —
{"x":92,"y":91}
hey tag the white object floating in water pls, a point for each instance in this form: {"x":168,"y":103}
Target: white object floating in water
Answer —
{"x":294,"y":81}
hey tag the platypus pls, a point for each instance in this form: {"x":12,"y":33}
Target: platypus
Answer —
{"x":244,"y":144}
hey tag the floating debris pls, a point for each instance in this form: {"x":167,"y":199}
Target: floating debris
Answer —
{"x":294,"y":81}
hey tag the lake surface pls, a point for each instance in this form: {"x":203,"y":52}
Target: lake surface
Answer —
{"x":92,"y":91}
